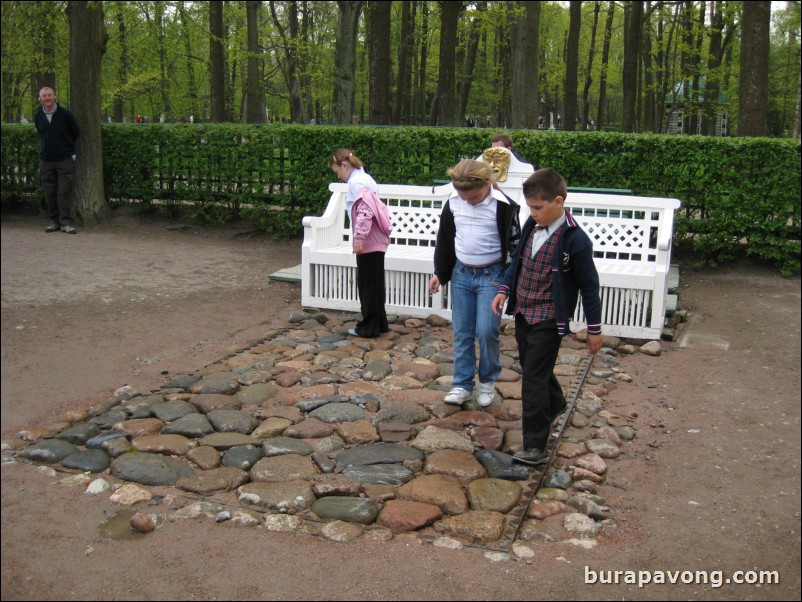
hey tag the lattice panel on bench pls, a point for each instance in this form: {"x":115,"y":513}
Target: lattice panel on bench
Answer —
{"x":621,"y":239}
{"x":415,"y":222}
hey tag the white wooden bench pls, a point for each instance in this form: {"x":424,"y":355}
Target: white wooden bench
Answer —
{"x":631,"y":235}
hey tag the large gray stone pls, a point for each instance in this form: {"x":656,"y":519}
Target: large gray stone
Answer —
{"x":49,"y":450}
{"x":232,"y":421}
{"x":338,"y":412}
{"x":379,"y":474}
{"x":192,"y":425}
{"x":289,"y":467}
{"x":242,"y":456}
{"x":350,"y":509}
{"x":378,"y":453}
{"x":92,"y":460}
{"x":289,"y":495}
{"x":79,"y":434}
{"x":172,"y":410}
{"x":150,"y":469}
{"x":279,"y":446}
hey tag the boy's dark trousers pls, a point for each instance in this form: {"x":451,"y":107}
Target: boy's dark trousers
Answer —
{"x":370,"y":283}
{"x":541,"y":394}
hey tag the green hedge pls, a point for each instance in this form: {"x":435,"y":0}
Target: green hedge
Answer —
{"x":738,"y":194}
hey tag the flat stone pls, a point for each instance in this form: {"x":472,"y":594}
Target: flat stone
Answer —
{"x":208,"y":402}
{"x":282,"y":496}
{"x":400,"y":516}
{"x":309,"y":405}
{"x":422,"y":371}
{"x":350,"y":509}
{"x":150,"y":469}
{"x":50,"y":451}
{"x":192,"y":425}
{"x":377,"y":369}
{"x":341,"y":531}
{"x":580,"y":474}
{"x":395,"y":432}
{"x":487,"y":437}
{"x":130,"y":494}
{"x":478,"y":527}
{"x":256,"y":394}
{"x":223,"y":441}
{"x":592,"y":462}
{"x":603,"y":448}
{"x":402,"y":411}
{"x":379,"y":474}
{"x":117,"y":447}
{"x":455,"y":463}
{"x":338,"y":412}
{"x":98,"y":441}
{"x":204,"y":457}
{"x":293,"y":414}
{"x":171,"y":445}
{"x":494,"y":495}
{"x":548,"y":529}
{"x":441,"y":490}
{"x":232,"y":421}
{"x":378,"y":453}
{"x":92,"y":460}
{"x":400,"y":383}
{"x":107,"y":419}
{"x":432,"y":439}
{"x":225,"y":478}
{"x":172,"y":410}
{"x":552,"y":493}
{"x":79,"y":434}
{"x":544,"y":509}
{"x":277,"y":446}
{"x":271,"y":427}
{"x":501,"y":466}
{"x":278,"y":469}
{"x":587,"y":506}
{"x":139,"y":427}
{"x":358,"y":433}
{"x":559,"y":479}
{"x":581,"y":525}
{"x":311,"y":428}
{"x":216,"y":383}
{"x":242,"y":457}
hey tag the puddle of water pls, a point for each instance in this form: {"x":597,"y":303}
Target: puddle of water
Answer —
{"x":117,"y":525}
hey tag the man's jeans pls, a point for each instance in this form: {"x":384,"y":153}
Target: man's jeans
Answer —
{"x":57,"y":182}
{"x":472,"y":291}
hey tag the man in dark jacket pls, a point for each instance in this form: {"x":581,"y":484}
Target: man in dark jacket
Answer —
{"x":58,"y":131}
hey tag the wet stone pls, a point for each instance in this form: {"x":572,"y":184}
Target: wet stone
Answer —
{"x":278,"y":446}
{"x":501,"y":466}
{"x":242,"y":456}
{"x":107,"y":419}
{"x":91,"y":460}
{"x":289,"y":495}
{"x":379,"y":474}
{"x":172,"y":410}
{"x":50,"y":451}
{"x":98,"y":441}
{"x":350,"y":509}
{"x":79,"y":433}
{"x":226,"y":478}
{"x":192,"y":425}
{"x":378,"y":453}
{"x":558,"y":479}
{"x":323,"y":462}
{"x":308,"y":405}
{"x":338,"y":412}
{"x":149,"y":469}
{"x":232,"y":421}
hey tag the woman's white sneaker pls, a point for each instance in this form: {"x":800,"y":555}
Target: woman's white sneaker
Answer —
{"x":457,"y":396}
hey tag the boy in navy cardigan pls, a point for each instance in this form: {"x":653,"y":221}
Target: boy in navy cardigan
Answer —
{"x":552,"y":264}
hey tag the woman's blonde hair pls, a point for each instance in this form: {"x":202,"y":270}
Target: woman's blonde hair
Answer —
{"x":470,"y":174}
{"x":345,"y":155}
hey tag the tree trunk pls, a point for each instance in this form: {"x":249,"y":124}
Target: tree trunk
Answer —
{"x":254,"y":95}
{"x":217,"y":61}
{"x":524,"y":66}
{"x":470,"y":59}
{"x":446,"y":81}
{"x":44,"y":61}
{"x":608,"y":34}
{"x":571,"y":66}
{"x":754,"y":68}
{"x":88,"y":39}
{"x":420,"y":111}
{"x":289,"y":68}
{"x":118,"y":106}
{"x":589,"y":70}
{"x":345,"y":60}
{"x":632,"y":37}
{"x":647,"y":95}
{"x":379,"y":13}
{"x":164,"y":81}
{"x":192,"y":91}
{"x":405,"y":54}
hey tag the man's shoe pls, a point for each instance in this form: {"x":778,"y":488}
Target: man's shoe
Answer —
{"x":69,"y":230}
{"x":532,"y":456}
{"x":53,"y":228}
{"x":457,"y":396}
{"x":487,"y":392}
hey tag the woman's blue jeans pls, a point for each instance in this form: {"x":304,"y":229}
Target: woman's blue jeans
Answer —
{"x":472,"y":291}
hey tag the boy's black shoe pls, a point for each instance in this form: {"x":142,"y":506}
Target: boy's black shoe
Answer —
{"x":532,"y":456}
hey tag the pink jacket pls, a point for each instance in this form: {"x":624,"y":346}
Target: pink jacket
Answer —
{"x":371,"y":224}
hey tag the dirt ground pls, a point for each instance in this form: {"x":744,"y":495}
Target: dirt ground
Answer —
{"x":711,"y":483}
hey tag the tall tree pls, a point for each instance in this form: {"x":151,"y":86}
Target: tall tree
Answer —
{"x":525,"y":95}
{"x":589,"y":68}
{"x":118,"y":107}
{"x":754,"y":69}
{"x":632,"y":37}
{"x":722,"y":27}
{"x":44,"y":64}
{"x":571,"y":66}
{"x":605,"y":61}
{"x":345,"y":60}
{"x":379,"y":13}
{"x":192,"y":88}
{"x":254,"y":95}
{"x":470,"y":59}
{"x":289,"y":35}
{"x":420,"y":81}
{"x":446,"y":113}
{"x":217,"y":62}
{"x":401,"y":104}
{"x":88,"y":39}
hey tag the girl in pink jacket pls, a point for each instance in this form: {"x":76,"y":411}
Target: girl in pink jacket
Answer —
{"x":370,"y":233}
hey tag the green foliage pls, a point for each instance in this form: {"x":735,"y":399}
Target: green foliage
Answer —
{"x":738,"y":194}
